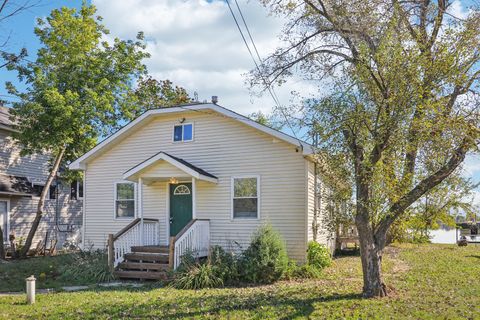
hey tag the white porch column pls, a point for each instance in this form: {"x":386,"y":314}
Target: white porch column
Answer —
{"x":194,"y":198}
{"x":140,"y":207}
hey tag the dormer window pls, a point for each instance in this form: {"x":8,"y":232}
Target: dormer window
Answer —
{"x":183,"y":132}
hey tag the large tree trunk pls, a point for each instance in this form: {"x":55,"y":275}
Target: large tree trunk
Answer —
{"x":41,"y":203}
{"x":371,"y":255}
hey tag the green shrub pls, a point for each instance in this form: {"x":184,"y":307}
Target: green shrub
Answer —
{"x":187,"y":260}
{"x":291,"y":270}
{"x":318,"y":255}
{"x":87,"y":266}
{"x":197,"y":276}
{"x":265,"y":260}
{"x":225,"y":264}
{"x":307,"y":271}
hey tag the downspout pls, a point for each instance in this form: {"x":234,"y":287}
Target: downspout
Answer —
{"x":315,"y":203}
{"x":140,"y":208}
{"x":84,"y":202}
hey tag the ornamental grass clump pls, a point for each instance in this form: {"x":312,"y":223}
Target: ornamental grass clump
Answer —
{"x":88,"y":267}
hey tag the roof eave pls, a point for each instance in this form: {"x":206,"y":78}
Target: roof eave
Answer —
{"x":79,"y":164}
{"x":165,"y":157}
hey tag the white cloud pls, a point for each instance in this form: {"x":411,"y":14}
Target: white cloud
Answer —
{"x":196,"y":44}
{"x":471,"y":166}
{"x":458,"y":10}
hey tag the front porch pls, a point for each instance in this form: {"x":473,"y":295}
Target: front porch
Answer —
{"x":149,"y":246}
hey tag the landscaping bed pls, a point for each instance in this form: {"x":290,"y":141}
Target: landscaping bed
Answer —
{"x":425,"y":281}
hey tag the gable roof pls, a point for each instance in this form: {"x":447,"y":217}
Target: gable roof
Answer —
{"x":79,"y":164}
{"x":181,"y":164}
{"x":5,"y":122}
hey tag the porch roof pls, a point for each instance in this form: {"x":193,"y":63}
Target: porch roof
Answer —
{"x":185,"y":166}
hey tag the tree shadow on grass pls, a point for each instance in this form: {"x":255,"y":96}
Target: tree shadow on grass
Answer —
{"x":284,"y":306}
{"x":473,"y":256}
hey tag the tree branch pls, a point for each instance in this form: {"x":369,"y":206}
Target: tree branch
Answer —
{"x":424,"y":186}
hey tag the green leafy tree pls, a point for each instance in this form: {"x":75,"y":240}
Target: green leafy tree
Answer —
{"x":151,"y":93}
{"x":403,"y":104}
{"x":439,"y":207}
{"x":268,"y":120}
{"x":77,"y":90}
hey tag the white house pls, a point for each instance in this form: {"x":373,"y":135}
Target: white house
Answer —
{"x":194,"y":176}
{"x":22,"y":178}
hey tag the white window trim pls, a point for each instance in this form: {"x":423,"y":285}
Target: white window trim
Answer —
{"x":135,"y":199}
{"x":7,"y":232}
{"x":78,"y":190}
{"x":41,"y":184}
{"x":183,"y":124}
{"x":232,"y":193}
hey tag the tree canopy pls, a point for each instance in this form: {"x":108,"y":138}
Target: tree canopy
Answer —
{"x":400,"y":99}
{"x":82,"y":86}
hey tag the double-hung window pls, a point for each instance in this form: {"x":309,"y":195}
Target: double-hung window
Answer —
{"x":124,"y":200}
{"x":245,"y":198}
{"x":183,"y":132}
{"x":76,"y":190}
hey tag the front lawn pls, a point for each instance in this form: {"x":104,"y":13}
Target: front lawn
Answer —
{"x":425,"y":281}
{"x":47,"y":271}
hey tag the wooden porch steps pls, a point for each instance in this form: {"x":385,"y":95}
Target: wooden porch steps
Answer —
{"x":143,"y":266}
{"x":147,"y":256}
{"x":145,"y":262}
{"x":142,"y":275}
{"x":151,"y":249}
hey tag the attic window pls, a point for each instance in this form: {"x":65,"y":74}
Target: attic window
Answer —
{"x":183,"y":132}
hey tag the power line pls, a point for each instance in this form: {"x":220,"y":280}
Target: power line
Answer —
{"x":267,"y":84}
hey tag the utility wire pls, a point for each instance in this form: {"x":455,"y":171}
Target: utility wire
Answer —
{"x":267,"y":84}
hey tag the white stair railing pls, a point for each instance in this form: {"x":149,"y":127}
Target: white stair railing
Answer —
{"x":122,"y":242}
{"x":194,"y":238}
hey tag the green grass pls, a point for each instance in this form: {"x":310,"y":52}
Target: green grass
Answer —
{"x":45,"y":269}
{"x":425,"y":281}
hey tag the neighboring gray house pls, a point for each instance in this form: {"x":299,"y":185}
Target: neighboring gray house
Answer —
{"x":191,"y":176}
{"x":21,"y":181}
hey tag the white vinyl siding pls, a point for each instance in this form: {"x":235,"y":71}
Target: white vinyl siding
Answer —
{"x":23,"y":208}
{"x":323,"y":234}
{"x":223,"y":147}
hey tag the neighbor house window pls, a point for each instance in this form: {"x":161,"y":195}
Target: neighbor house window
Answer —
{"x":37,"y":189}
{"x":76,"y":190}
{"x":53,"y":192}
{"x":124,"y":200}
{"x":245,"y":197}
{"x":183,"y":132}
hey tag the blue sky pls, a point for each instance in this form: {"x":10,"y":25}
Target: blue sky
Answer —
{"x":194,"y":43}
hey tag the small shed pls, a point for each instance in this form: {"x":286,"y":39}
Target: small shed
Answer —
{"x":467,"y":232}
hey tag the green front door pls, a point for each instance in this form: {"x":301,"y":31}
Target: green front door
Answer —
{"x":180,"y":206}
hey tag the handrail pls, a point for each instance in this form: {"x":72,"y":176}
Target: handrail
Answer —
{"x":195,"y":237}
{"x":131,"y":225}
{"x":184,"y":229}
{"x":131,"y":235}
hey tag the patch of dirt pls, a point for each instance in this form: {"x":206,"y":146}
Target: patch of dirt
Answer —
{"x":399,"y":266}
